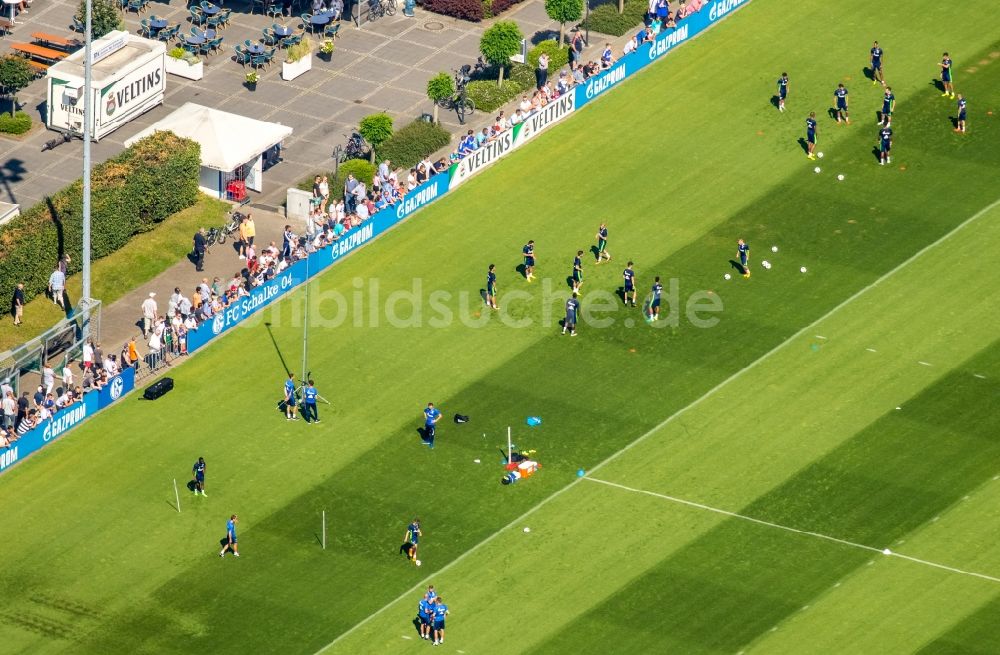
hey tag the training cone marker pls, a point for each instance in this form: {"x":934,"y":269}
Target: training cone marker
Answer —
{"x":476,"y":461}
{"x":527,"y":529}
{"x":886,"y":551}
{"x":533,"y":420}
{"x":580,"y":473}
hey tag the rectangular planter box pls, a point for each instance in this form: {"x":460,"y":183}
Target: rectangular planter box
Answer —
{"x":181,"y":68}
{"x":293,"y":70}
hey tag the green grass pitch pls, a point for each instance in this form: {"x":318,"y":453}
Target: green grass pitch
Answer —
{"x":742,"y":480}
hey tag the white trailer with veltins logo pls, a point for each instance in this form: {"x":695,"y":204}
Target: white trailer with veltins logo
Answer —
{"x":128,"y":78}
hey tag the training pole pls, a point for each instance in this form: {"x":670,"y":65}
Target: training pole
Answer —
{"x":510,"y":448}
{"x":177,"y":496}
{"x":324,"y":529}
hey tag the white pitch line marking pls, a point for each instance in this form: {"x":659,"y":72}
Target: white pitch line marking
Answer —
{"x":407,"y":638}
{"x":786,"y":528}
{"x":820,"y":336}
{"x":708,"y":394}
{"x":977,"y":375}
{"x":871,"y":350}
{"x":925,"y":363}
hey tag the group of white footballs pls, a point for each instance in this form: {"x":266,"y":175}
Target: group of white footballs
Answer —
{"x":820,"y":170}
{"x":766,"y":264}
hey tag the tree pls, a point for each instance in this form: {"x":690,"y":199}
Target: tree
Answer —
{"x":376,"y":130}
{"x":104,"y":17}
{"x":15,"y":74}
{"x":440,"y":87}
{"x":500,"y":43}
{"x":564,"y":11}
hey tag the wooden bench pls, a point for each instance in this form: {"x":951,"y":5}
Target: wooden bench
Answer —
{"x":38,"y":66}
{"x":57,"y":41}
{"x":38,"y":51}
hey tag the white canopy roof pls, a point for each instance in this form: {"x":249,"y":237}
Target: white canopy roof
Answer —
{"x":227,"y":140}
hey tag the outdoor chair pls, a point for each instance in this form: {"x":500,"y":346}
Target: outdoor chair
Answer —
{"x":331,"y":30}
{"x":215,"y":45}
{"x":144,"y":28}
{"x":136,"y":5}
{"x":214,"y":21}
{"x":269,"y":56}
{"x":269,"y":36}
{"x":275,"y":10}
{"x":258,"y":60}
{"x":242,"y":56}
{"x":224,"y":16}
{"x":169,"y":33}
{"x":258,"y":3}
{"x":78,"y":25}
{"x":307,"y":21}
{"x":196,"y":16}
{"x":205,"y":5}
{"x":292,"y":39}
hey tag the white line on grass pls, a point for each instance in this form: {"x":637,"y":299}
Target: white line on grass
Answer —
{"x":925,"y":363}
{"x":627,"y":447}
{"x":871,"y":350}
{"x":808,"y":533}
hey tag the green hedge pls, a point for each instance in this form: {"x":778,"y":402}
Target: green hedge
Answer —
{"x":131,"y":193}
{"x":490,"y":97}
{"x":606,"y":19}
{"x":412,"y":143}
{"x":558,"y":57}
{"x":524,"y":75}
{"x":361,"y":168}
{"x":19,"y":123}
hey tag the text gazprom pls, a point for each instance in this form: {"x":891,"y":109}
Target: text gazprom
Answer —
{"x":723,"y":7}
{"x":612,"y":77}
{"x":672,"y":39}
{"x":64,"y":422}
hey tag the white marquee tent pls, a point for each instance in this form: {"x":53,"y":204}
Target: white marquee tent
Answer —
{"x":232,"y":146}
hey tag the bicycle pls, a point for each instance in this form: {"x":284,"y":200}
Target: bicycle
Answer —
{"x":460,"y":102}
{"x":379,"y":8}
{"x":356,"y":148}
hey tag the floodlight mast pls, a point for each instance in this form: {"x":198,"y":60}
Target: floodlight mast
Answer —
{"x":88,"y":110}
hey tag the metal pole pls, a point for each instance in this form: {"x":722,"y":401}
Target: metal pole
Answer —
{"x":177,"y":496}
{"x":88,"y":111}
{"x":510,"y":448}
{"x":305,"y":330}
{"x":587,"y":20}
{"x":324,"y":529}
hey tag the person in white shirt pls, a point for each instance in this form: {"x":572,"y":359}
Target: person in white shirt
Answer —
{"x":67,"y":374}
{"x":518,"y":116}
{"x":48,"y":378}
{"x":88,"y":355}
{"x":154,"y":349}
{"x":148,"y":313}
{"x":525,"y":105}
{"x":630,"y":46}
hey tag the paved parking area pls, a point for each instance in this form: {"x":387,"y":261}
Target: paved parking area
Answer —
{"x":381,"y":66}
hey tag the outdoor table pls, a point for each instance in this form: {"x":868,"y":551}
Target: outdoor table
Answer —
{"x":158,"y":23}
{"x":13,"y":4}
{"x":210,"y":10}
{"x":194,"y":40}
{"x":255,"y":49}
{"x":282,"y":30}
{"x":209,"y":34}
{"x":317,"y":19}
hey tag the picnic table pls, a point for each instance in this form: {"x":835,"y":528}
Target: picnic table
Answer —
{"x":53,"y":40}
{"x":38,"y":52}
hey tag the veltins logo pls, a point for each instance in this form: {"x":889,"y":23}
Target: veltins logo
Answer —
{"x":218,"y":323}
{"x":110,"y":108}
{"x":117,"y":386}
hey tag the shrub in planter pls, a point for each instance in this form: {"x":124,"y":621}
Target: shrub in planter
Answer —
{"x":606,"y":19}
{"x":132,"y":192}
{"x":414,"y":142}
{"x":490,"y":97}
{"x":471,"y":10}
{"x":558,"y":57}
{"x":299,"y":50}
{"x":523,"y":75}
{"x":19,"y":123}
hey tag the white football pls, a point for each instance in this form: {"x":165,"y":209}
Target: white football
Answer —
{"x":727,"y":276}
{"x":816,"y":170}
{"x":774,"y":248}
{"x":527,"y":529}
{"x":766,"y":264}
{"x":417,"y":562}
{"x":803,"y":269}
{"x":820,"y":155}
{"x":841,"y":177}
